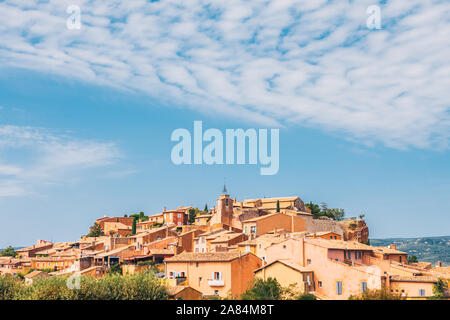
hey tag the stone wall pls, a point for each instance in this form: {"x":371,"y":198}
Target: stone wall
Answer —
{"x":319,"y":225}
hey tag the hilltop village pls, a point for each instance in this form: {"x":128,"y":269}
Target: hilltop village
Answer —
{"x":218,"y":252}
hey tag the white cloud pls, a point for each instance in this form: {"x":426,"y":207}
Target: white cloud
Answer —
{"x":43,"y":158}
{"x":290,"y":62}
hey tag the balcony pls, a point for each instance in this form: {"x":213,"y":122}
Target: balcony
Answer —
{"x":216,"y":283}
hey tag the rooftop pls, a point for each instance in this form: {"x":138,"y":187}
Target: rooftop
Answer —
{"x":207,"y":256}
{"x":288,"y":263}
{"x":339,"y":244}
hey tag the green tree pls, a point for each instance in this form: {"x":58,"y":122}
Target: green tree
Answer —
{"x":412,"y":259}
{"x":8,"y":252}
{"x":206,"y":208}
{"x":133,"y":226}
{"x":192,"y":215}
{"x":125,"y":215}
{"x":95,"y":231}
{"x":361,"y":216}
{"x":278,"y":205}
{"x":141,"y":215}
{"x":315,"y":209}
{"x":439,"y":289}
{"x":269,"y":289}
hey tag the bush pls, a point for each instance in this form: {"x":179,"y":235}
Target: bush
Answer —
{"x":141,"y":286}
{"x":306,"y":296}
{"x":269,"y":289}
{"x":378,"y":294}
{"x":10,"y":287}
{"x":53,"y":288}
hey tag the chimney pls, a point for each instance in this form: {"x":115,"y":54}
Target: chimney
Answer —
{"x":438,"y":264}
{"x":392,"y":246}
{"x":164,"y":209}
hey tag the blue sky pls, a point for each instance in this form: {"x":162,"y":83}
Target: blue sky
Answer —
{"x":86,"y":115}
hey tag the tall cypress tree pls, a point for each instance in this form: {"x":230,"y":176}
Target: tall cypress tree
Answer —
{"x":133,"y":226}
{"x":278,"y":205}
{"x":206,"y":208}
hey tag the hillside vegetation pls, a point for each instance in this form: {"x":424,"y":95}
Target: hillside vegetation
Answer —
{"x":429,"y":249}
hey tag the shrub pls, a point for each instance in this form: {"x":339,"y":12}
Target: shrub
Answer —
{"x":306,"y":296}
{"x":10,"y":287}
{"x":378,"y":294}
{"x":261,"y":289}
{"x":141,"y":286}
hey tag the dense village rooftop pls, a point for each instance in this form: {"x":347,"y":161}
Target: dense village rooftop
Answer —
{"x":339,"y":244}
{"x":207,"y":256}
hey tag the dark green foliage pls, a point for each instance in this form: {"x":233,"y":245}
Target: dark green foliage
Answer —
{"x":193,"y":213}
{"x":278,"y":205}
{"x":10,"y":287}
{"x":115,"y":269}
{"x":307,"y":296}
{"x":8,"y":252}
{"x":412,"y":259}
{"x":263,"y":290}
{"x":323,"y":211}
{"x":140,"y":286}
{"x":133,"y":226}
{"x":95,"y":231}
{"x":439,"y":289}
{"x":206,"y":208}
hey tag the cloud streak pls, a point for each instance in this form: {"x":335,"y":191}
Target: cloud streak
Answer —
{"x":307,"y":63}
{"x":42,"y":158}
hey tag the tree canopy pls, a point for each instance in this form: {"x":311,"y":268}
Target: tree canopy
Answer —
{"x":8,"y":252}
{"x":95,"y":231}
{"x":323,"y":211}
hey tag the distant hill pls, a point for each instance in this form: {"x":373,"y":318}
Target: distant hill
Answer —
{"x":429,"y":249}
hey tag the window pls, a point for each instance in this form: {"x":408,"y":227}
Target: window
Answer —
{"x":360,"y":254}
{"x":259,"y":246}
{"x":349,"y":255}
{"x":284,"y":246}
{"x":216,"y":292}
{"x":335,"y":238}
{"x":253,"y":229}
{"x":339,"y":287}
{"x":179,"y":223}
{"x":179,"y":215}
{"x":356,"y":255}
{"x":421,"y":292}
{"x":363,"y":287}
{"x":198,"y":219}
{"x":308,"y":261}
{"x":331,"y":237}
{"x":196,"y":264}
{"x":320,"y":284}
{"x":247,"y":248}
{"x":217,"y":276}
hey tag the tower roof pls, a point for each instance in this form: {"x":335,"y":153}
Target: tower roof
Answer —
{"x":224,"y":191}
